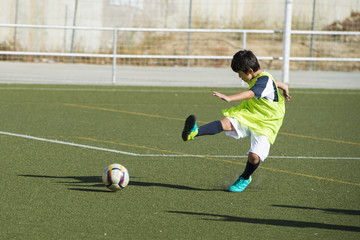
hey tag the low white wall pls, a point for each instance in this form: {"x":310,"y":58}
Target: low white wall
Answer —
{"x":246,"y":14}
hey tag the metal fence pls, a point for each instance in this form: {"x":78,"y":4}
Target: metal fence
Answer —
{"x":123,"y":53}
{"x":335,"y":47}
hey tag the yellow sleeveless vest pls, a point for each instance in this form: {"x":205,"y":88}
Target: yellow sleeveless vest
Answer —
{"x":262,"y":116}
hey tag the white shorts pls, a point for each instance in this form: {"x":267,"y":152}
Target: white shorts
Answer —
{"x":260,"y":144}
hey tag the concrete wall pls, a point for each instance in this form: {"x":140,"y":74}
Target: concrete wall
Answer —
{"x":246,"y":14}
{"x":50,"y":12}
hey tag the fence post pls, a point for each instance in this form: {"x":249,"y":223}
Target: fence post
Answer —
{"x":244,"y":40}
{"x":114,"y":56}
{"x":73,"y":32}
{"x":312,"y":35}
{"x":189,"y":33}
{"x":65,"y":30}
{"x":16,"y":22}
{"x":244,"y":47}
{"x":286,"y":42}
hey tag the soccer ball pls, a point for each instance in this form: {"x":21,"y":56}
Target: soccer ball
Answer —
{"x":115,"y":177}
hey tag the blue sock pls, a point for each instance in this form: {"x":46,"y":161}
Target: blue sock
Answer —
{"x":210,"y":128}
{"x":249,"y":169}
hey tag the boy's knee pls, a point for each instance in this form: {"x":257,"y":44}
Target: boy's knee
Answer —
{"x":253,"y":158}
{"x":226,"y":124}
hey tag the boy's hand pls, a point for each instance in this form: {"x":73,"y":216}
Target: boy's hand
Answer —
{"x":286,"y":92}
{"x":285,"y":88}
{"x":222,"y":96}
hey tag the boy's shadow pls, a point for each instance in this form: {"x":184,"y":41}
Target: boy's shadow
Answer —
{"x":165,"y":185}
{"x":328,"y":210}
{"x":94,"y":183}
{"x":270,"y":222}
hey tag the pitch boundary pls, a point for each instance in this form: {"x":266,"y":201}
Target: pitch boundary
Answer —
{"x":162,"y":155}
{"x":170,"y":155}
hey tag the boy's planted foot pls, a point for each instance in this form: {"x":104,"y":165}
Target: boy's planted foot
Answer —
{"x":190,"y":129}
{"x":240,"y":184}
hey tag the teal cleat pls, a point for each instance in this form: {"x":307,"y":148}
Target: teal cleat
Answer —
{"x":240,"y":184}
{"x":190,"y":129}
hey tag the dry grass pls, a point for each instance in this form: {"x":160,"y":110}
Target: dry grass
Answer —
{"x":221,"y":44}
{"x":207,"y":44}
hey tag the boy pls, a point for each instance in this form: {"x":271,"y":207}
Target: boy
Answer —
{"x":259,"y":115}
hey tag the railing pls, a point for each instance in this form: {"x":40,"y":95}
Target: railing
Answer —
{"x":116,"y":56}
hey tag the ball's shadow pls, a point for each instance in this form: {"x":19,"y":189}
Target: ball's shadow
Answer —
{"x":77,"y":183}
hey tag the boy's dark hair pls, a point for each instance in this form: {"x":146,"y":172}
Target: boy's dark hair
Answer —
{"x":244,"y":60}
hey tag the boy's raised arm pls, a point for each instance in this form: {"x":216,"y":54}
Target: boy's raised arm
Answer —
{"x":237,"y":97}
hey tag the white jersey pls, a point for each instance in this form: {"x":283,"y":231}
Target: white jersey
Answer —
{"x":265,"y":88}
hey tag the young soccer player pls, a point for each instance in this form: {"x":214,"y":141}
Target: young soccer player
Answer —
{"x":259,"y":115}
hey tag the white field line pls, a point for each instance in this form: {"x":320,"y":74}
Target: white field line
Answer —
{"x":67,"y":143}
{"x":161,"y":90}
{"x":165,"y":155}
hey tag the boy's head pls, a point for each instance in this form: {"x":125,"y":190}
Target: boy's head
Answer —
{"x":243,"y":61}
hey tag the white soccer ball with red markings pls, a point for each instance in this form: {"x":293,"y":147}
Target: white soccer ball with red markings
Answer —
{"x":115,"y":177}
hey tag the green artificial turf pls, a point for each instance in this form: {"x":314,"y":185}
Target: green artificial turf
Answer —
{"x":309,"y":187}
